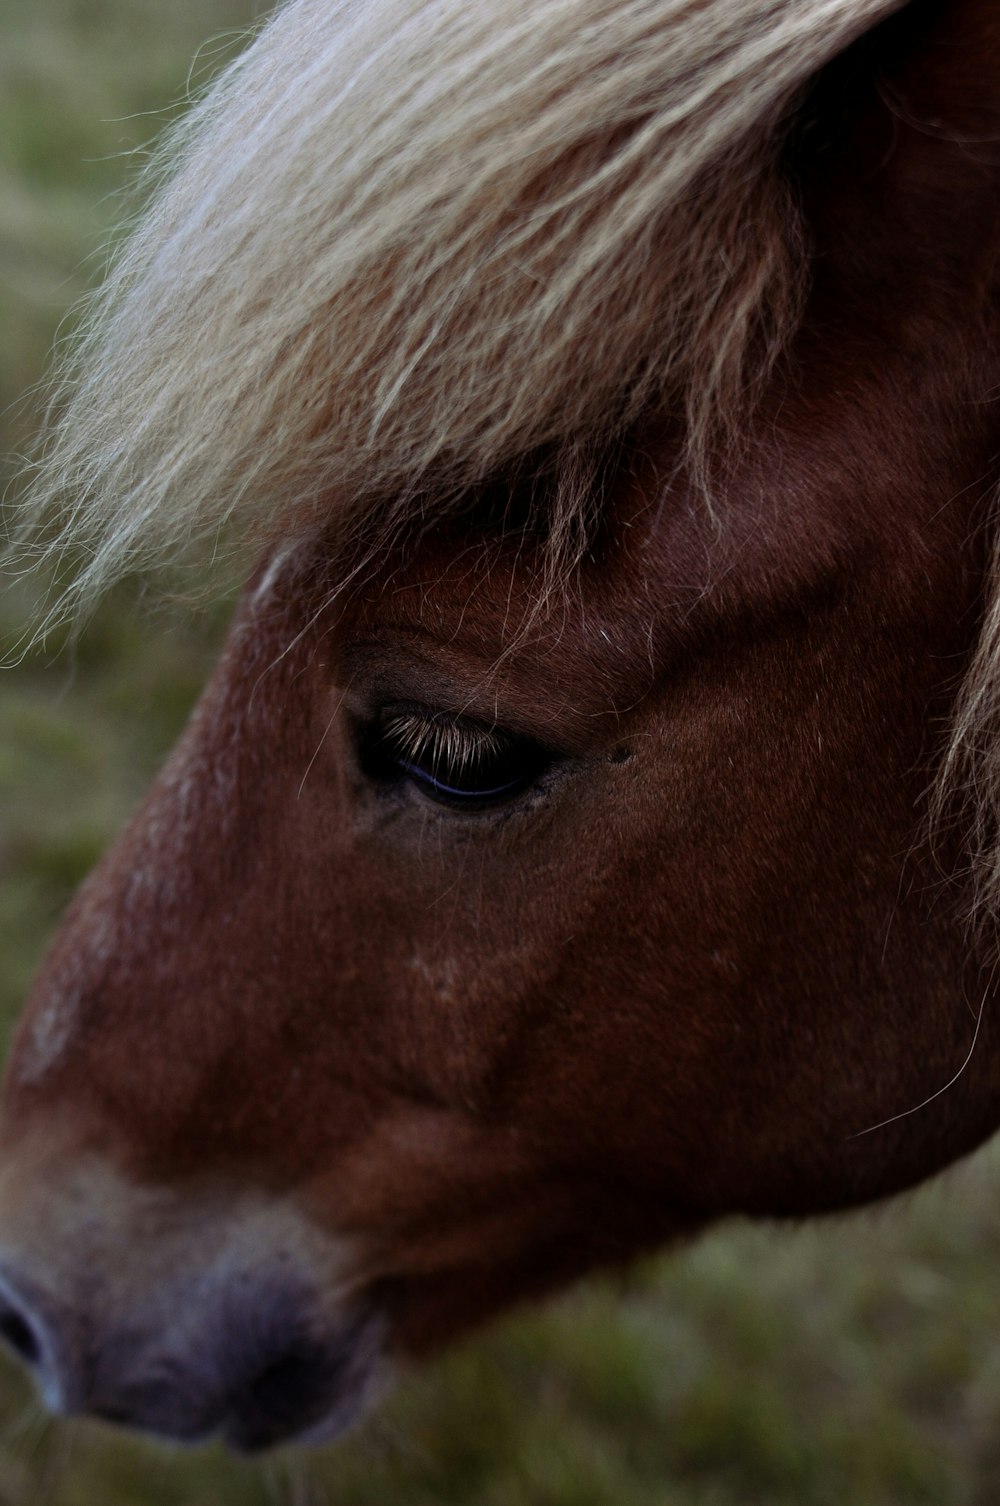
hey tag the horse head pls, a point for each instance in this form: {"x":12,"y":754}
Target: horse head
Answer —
{"x":548,"y":868}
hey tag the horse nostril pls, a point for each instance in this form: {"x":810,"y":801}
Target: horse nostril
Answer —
{"x":40,"y":1333}
{"x":17,"y":1332}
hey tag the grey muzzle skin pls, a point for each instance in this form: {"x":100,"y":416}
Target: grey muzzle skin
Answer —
{"x":207,"y":1322}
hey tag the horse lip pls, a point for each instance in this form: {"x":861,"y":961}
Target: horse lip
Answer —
{"x":311,"y":1393}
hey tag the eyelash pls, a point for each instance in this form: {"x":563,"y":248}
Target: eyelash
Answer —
{"x":455,"y":761}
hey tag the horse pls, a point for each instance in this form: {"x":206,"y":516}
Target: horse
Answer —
{"x":590,"y":828}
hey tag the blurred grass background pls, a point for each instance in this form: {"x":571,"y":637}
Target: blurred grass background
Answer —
{"x":848,"y":1363}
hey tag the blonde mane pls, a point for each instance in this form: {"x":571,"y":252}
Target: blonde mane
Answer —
{"x":402,"y":244}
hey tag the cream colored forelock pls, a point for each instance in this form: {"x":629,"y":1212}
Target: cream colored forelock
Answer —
{"x":403,"y":243}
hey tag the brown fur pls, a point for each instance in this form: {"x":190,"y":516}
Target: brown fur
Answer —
{"x":712,"y":962}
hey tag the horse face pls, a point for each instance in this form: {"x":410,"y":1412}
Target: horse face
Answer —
{"x":477,"y":933}
{"x":474,"y":936}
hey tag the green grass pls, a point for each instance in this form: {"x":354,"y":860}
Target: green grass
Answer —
{"x":848,"y":1363}
{"x":83,"y":87}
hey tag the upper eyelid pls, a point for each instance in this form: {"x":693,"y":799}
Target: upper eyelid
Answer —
{"x":425,"y":731}
{"x":376,"y":678}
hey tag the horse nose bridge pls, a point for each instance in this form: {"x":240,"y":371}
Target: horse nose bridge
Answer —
{"x":146,"y":923}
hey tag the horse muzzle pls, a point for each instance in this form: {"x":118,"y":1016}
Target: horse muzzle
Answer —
{"x":185,"y":1318}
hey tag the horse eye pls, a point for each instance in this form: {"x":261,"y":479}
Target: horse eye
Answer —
{"x":454,"y":760}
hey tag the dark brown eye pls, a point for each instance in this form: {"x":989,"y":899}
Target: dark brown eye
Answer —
{"x":454,"y":760}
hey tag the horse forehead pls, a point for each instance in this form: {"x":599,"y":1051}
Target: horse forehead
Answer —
{"x":510,"y":633}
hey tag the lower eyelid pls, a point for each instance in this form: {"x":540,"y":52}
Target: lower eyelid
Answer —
{"x":429,"y":782}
